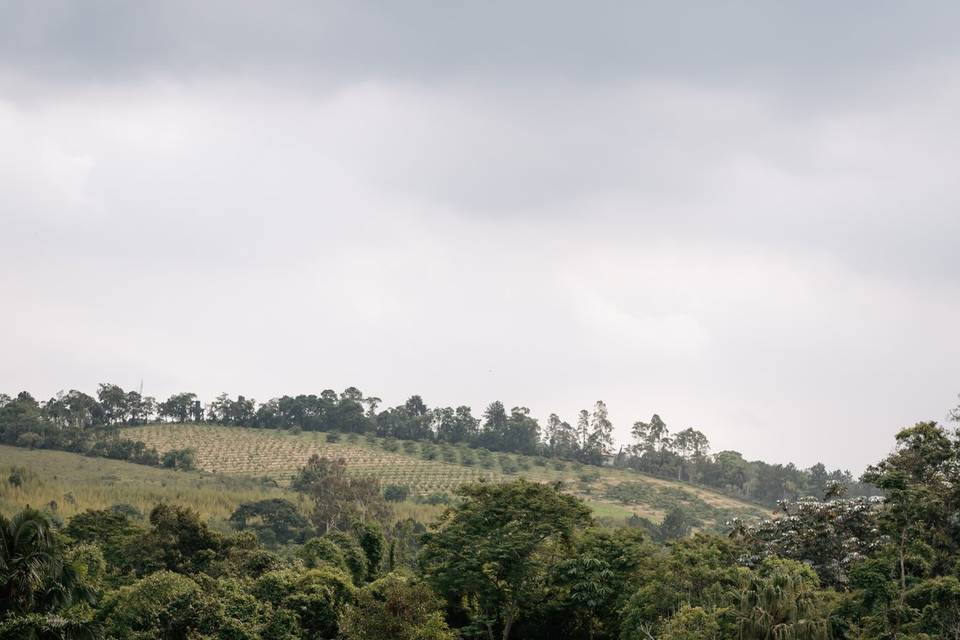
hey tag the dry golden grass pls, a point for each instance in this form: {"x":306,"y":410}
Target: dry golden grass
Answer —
{"x":74,"y":483}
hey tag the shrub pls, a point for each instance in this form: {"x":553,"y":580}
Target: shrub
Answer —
{"x":396,"y":493}
{"x":127,"y":510}
{"x":29,"y":440}
{"x":17,"y":476}
{"x":182,"y":459}
{"x":333,"y":436}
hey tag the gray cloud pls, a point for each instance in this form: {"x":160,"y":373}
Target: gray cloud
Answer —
{"x":813,"y":43}
{"x":743,"y":219}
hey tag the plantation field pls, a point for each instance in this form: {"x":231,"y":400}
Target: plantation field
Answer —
{"x":427,"y":468}
{"x":69,"y":483}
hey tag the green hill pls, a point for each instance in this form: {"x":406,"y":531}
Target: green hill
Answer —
{"x":236,"y":464}
{"x":427,"y":468}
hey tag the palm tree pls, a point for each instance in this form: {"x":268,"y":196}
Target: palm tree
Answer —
{"x":781,"y":603}
{"x":33,"y":574}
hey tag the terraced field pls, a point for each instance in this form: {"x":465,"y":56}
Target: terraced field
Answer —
{"x":426,"y":468}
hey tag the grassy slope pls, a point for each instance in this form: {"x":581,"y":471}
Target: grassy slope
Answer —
{"x":236,"y":451}
{"x":77,"y":483}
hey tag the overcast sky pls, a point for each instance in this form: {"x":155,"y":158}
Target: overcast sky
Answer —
{"x":742,"y":216}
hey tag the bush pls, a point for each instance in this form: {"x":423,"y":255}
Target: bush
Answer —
{"x":127,"y":510}
{"x":17,"y":476}
{"x":29,"y":440}
{"x":435,"y":498}
{"x":181,"y":459}
{"x":508,"y":465}
{"x":396,"y":493}
{"x":333,"y":436}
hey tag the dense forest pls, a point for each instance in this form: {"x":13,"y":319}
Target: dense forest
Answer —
{"x":76,"y":421}
{"x":513,"y":560}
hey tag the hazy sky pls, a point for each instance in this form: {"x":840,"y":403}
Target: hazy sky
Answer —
{"x":742,"y":216}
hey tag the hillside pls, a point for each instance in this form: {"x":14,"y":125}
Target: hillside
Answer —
{"x":427,"y":468}
{"x":75,"y":482}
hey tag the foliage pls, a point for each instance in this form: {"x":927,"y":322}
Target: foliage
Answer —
{"x":314,"y":596}
{"x":317,"y":550}
{"x":395,"y":607}
{"x":509,"y":560}
{"x":781,"y":600}
{"x":34,"y":575}
{"x":278,"y":516}
{"x":831,"y":536}
{"x":112,"y":531}
{"x":491,"y":553}
{"x":371,"y":539}
{"x":182,"y":459}
{"x":698,"y":571}
{"x":177,"y":541}
{"x":692,"y":623}
{"x":396,"y":492}
{"x":149,"y":605}
{"x":338,"y":499}
{"x":353,"y":555}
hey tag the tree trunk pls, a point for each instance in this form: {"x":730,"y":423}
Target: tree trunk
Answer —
{"x":507,"y":624}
